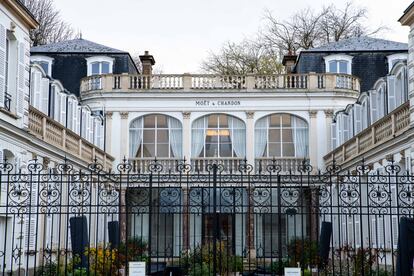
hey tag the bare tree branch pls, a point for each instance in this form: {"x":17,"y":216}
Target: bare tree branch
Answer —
{"x":51,"y":27}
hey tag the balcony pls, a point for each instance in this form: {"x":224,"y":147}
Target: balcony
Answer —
{"x":52,"y":132}
{"x":311,"y":82}
{"x":380,"y":132}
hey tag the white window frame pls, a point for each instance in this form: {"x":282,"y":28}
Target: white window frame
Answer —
{"x":48,"y":60}
{"x":339,"y":57}
{"x":94,"y":59}
{"x":394,"y":57}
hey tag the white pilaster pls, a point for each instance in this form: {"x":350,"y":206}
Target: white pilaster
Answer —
{"x":250,"y":137}
{"x":125,"y":134}
{"x":313,"y":138}
{"x":187,"y":136}
{"x":108,"y":134}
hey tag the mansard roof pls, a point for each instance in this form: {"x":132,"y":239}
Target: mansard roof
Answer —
{"x":360,"y":44}
{"x":78,"y":45}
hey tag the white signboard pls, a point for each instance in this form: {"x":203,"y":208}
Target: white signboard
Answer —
{"x":217,"y":103}
{"x":292,"y":271}
{"x":136,"y":268}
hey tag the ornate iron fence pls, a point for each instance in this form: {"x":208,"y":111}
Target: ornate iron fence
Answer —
{"x":64,"y":221}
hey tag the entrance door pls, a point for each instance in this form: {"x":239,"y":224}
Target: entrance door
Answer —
{"x":225,"y":230}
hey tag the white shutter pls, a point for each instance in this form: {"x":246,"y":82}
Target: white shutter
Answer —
{"x":90,"y":136}
{"x":394,"y":231}
{"x":333,"y":135}
{"x":30,"y":219}
{"x":70,"y":114}
{"x":357,"y":234}
{"x":357,"y":117}
{"x":373,"y":102}
{"x":346,"y":127}
{"x":62,"y":109}
{"x":2,"y":64}
{"x":78,"y":118}
{"x":37,"y":89}
{"x":21,"y":80}
{"x":101,"y":140}
{"x":373,"y":233}
{"x":3,"y":182}
{"x":56,"y":114}
{"x":381,"y":237}
{"x":44,"y":101}
{"x":391,"y":93}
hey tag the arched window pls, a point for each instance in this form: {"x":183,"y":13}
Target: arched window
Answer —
{"x":338,"y":63}
{"x":98,"y":65}
{"x":155,"y":135}
{"x":218,"y":135}
{"x":281,"y":135}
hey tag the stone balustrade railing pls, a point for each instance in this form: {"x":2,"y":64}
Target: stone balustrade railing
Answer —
{"x":227,"y":165}
{"x":54,"y":133}
{"x":203,"y":82}
{"x":281,"y":164}
{"x":383,"y":130}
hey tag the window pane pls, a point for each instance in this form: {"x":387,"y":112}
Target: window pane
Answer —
{"x":343,"y":67}
{"x":149,"y":150}
{"x":95,"y":68}
{"x":162,"y":121}
{"x":333,"y":66}
{"x":275,"y":121}
{"x":286,"y":120}
{"x":224,"y":135}
{"x":288,"y":149}
{"x":223,"y":121}
{"x":162,"y":150}
{"x":211,"y":150}
{"x":149,"y":121}
{"x":274,"y":135}
{"x":287,"y":135}
{"x":213,"y":121}
{"x":162,"y":136}
{"x":211,"y":136}
{"x":149,"y":136}
{"x":225,"y":150}
{"x":274,"y":149}
{"x":45,"y":66}
{"x":105,"y":67}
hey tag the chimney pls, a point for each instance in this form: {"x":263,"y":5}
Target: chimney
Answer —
{"x":147,"y":61}
{"x":289,"y":62}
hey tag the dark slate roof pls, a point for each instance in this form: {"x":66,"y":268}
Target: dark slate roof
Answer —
{"x":363,"y":43}
{"x":78,"y":45}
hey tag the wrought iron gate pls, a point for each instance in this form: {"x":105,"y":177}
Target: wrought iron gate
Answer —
{"x":64,"y":221}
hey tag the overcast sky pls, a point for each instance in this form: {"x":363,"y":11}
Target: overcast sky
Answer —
{"x":179,"y":33}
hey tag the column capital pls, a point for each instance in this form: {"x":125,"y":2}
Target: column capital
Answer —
{"x":250,"y":114}
{"x":109,"y":114}
{"x":124,"y":115}
{"x":313,"y":113}
{"x":329,"y":113}
{"x":186,"y":114}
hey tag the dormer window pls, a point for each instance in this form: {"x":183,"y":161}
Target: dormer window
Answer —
{"x":339,"y":64}
{"x":99,"y":65}
{"x":393,"y":59}
{"x":44,"y":62}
